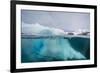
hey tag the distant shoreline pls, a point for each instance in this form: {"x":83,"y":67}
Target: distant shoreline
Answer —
{"x":55,"y":36}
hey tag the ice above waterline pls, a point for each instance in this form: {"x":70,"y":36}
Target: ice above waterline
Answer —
{"x":37,"y":29}
{"x":41,"y":30}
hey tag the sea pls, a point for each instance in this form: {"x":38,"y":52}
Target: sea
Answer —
{"x":54,"y":48}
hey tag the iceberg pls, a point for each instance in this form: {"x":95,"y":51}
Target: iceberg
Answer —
{"x":51,"y":48}
{"x":37,"y":29}
{"x":60,"y":48}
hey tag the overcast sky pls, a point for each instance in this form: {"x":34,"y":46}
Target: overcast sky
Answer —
{"x":67,"y":21}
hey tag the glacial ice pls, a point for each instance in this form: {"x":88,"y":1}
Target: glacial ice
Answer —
{"x":37,"y":29}
{"x":60,"y":48}
{"x":47,"y":49}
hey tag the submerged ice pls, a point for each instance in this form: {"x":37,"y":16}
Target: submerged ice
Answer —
{"x":60,"y":48}
{"x":52,"y":48}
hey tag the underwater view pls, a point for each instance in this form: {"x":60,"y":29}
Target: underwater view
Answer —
{"x":55,"y":49}
{"x":48,"y":36}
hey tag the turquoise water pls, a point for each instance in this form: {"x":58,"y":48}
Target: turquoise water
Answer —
{"x":54,"y":49}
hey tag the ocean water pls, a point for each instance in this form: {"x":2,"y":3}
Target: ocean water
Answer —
{"x":46,"y":49}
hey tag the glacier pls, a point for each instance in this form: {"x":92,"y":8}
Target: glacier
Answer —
{"x":54,"y":47}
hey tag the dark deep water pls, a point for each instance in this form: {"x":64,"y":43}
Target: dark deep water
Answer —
{"x":54,"y":49}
